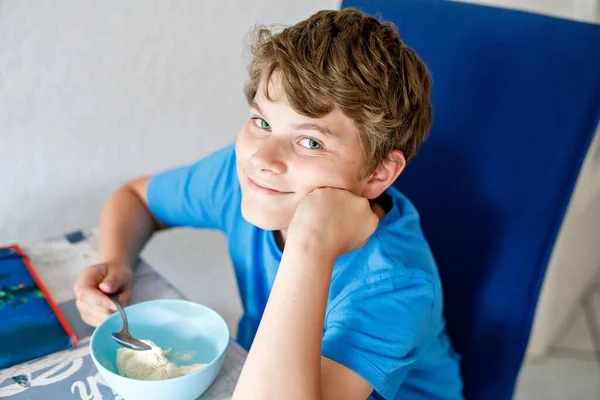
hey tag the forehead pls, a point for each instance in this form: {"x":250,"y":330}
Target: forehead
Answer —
{"x":279,"y":108}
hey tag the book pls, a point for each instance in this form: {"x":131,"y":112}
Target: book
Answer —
{"x":31,"y":324}
{"x":71,"y":373}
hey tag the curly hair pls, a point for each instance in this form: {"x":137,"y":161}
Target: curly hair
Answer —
{"x":353,"y":62}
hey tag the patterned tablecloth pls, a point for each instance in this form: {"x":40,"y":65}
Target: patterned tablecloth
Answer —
{"x":71,"y":374}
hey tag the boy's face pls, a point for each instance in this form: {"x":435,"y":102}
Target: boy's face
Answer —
{"x":282,"y":156}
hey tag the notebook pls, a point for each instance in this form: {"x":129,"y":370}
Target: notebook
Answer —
{"x":31,"y":325}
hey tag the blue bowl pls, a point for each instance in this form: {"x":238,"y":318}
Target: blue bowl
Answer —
{"x":185,"y":327}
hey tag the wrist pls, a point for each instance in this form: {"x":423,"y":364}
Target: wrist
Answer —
{"x":118,"y":262}
{"x":310,"y":245}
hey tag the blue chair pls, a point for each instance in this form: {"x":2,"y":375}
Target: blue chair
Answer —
{"x":516,"y":98}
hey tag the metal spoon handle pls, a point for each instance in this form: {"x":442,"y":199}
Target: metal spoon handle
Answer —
{"x":124,"y":337}
{"x":115,"y":299}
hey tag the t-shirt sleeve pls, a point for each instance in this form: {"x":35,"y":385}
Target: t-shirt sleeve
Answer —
{"x":377,"y":331}
{"x":197,"y":195}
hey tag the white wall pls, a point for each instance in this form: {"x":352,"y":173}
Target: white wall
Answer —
{"x":93,"y":93}
{"x":575,"y":262}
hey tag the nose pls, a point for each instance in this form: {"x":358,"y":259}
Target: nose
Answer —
{"x":270,"y":156}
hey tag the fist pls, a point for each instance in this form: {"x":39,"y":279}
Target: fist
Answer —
{"x":336,"y":218}
{"x":95,"y":284}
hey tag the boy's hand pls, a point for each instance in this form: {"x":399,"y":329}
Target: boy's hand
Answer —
{"x":95,"y":283}
{"x":336,"y":220}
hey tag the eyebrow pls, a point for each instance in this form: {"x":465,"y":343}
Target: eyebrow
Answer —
{"x":257,"y":107}
{"x":300,"y":127}
{"x":313,"y":127}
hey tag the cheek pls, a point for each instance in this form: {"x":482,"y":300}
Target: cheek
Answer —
{"x":315,"y":174}
{"x":243,"y":145}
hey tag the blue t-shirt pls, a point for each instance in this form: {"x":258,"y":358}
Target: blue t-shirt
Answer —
{"x":384,"y":314}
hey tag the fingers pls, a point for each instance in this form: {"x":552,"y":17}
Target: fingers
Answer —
{"x":92,"y":315}
{"x":92,"y":303}
{"x":369,"y":228}
{"x":91,"y":276}
{"x":125,"y":295}
{"x":372,"y":222}
{"x":115,"y":279}
{"x":95,"y":306}
{"x":95,"y":298}
{"x":86,"y":287}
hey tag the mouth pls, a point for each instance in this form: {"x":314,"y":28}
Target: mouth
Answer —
{"x":260,"y":188}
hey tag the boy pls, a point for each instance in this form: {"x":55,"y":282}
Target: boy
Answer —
{"x":341,"y":294}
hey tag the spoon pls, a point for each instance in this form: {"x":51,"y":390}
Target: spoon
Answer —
{"x":123,"y":337}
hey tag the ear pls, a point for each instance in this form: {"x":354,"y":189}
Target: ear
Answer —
{"x":385,"y":174}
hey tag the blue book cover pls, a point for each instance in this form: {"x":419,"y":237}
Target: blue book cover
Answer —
{"x":31,"y":325}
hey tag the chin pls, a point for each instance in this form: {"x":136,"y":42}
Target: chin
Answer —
{"x":265,"y":219}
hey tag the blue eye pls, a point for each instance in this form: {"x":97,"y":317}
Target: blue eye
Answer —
{"x":261,"y":123}
{"x":311,"y":144}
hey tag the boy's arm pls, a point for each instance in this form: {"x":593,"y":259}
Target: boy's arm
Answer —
{"x":182,"y":196}
{"x":126,"y":224}
{"x":285,"y":359}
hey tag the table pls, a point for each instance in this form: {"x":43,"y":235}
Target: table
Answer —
{"x":71,"y":374}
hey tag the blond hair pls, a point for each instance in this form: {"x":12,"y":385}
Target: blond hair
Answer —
{"x":353,"y":62}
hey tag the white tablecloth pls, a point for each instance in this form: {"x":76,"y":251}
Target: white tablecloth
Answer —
{"x":71,"y":374}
